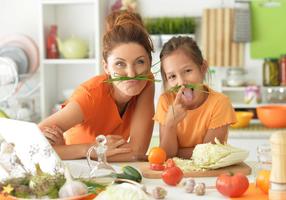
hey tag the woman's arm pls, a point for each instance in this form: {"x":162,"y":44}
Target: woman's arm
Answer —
{"x":141,"y":127}
{"x":219,"y":133}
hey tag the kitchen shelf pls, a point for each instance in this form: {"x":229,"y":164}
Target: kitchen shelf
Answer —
{"x":242,"y":105}
{"x":52,"y":2}
{"x":69,"y":61}
{"x":80,"y":18}
{"x":242,"y":88}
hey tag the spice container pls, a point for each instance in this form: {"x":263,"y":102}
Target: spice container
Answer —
{"x":270,"y":72}
{"x":235,"y":77}
{"x":252,"y":95}
{"x":282,"y":70}
{"x":278,"y":172}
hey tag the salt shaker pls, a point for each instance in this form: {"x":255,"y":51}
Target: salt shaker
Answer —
{"x":102,"y":171}
{"x":278,"y":172}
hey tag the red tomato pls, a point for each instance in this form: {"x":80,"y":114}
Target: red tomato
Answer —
{"x":170,"y":163}
{"x":172,"y":176}
{"x":232,"y":185}
{"x":157,"y":167}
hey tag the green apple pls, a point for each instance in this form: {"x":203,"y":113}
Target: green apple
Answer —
{"x":3,"y":114}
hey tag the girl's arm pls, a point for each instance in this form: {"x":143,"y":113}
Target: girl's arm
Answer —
{"x":169,"y":140}
{"x":219,"y":133}
{"x":141,"y":127}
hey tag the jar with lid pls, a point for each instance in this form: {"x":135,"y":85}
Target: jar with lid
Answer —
{"x":235,"y":77}
{"x":282,"y":70}
{"x":270,"y":72}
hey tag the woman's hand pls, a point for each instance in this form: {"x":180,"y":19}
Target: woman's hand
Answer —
{"x":54,"y":135}
{"x":177,"y":111}
{"x":114,"y":146}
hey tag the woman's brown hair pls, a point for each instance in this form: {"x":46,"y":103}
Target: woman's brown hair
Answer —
{"x":184,"y":43}
{"x":124,"y":27}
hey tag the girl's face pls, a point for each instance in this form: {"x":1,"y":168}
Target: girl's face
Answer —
{"x":130,"y":59}
{"x":180,"y":69}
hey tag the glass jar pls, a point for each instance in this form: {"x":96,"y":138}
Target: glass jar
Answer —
{"x":235,"y":77}
{"x":282,"y":70}
{"x":264,"y":156}
{"x":270,"y":72}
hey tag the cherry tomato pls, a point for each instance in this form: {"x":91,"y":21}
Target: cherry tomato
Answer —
{"x":170,"y":163}
{"x":262,"y":180}
{"x":172,"y":176}
{"x":157,"y":155}
{"x":157,"y":167}
{"x":232,"y":185}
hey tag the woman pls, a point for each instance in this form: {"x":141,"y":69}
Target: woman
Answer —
{"x":120,"y":110}
{"x":189,"y":112}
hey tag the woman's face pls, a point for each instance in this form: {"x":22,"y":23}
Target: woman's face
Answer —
{"x":180,"y":69}
{"x":130,"y":59}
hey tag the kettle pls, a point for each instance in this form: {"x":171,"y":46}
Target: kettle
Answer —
{"x":73,"y":47}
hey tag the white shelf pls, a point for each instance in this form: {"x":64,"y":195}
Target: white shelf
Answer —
{"x":242,"y":105}
{"x":69,"y":61}
{"x":53,"y":2}
{"x":238,"y":89}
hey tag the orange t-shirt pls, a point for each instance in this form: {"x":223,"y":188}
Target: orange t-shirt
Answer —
{"x":100,"y":112}
{"x":215,"y":112}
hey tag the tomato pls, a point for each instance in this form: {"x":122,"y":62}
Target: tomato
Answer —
{"x":232,"y":185}
{"x":170,"y":163}
{"x":172,"y":176}
{"x":262,"y":180}
{"x":157,"y":167}
{"x":157,"y":155}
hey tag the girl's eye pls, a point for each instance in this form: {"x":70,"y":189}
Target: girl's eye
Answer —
{"x":171,"y":77}
{"x":188,"y":70}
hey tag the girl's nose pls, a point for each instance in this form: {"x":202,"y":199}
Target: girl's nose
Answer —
{"x":181,"y":81}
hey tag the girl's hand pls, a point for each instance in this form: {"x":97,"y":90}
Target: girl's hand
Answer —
{"x":177,"y":111}
{"x":54,"y":135}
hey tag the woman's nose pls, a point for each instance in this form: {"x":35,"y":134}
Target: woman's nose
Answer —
{"x":131,"y":72}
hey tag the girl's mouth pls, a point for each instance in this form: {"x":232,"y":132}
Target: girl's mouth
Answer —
{"x":188,"y":95}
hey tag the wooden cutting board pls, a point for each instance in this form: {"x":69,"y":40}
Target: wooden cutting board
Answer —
{"x":241,"y":167}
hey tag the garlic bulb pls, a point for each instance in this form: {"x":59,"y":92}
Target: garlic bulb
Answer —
{"x":71,"y":187}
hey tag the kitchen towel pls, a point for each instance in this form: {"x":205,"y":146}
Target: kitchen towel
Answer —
{"x":268,"y":30}
{"x":252,"y":193}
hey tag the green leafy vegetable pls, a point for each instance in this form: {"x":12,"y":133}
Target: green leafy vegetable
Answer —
{"x":139,"y":77}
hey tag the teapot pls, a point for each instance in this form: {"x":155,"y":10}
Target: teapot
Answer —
{"x":73,"y":47}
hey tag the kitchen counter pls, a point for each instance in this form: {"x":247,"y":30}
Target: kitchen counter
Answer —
{"x":80,"y":167}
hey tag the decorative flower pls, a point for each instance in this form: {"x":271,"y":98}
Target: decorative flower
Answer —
{"x":7,"y":189}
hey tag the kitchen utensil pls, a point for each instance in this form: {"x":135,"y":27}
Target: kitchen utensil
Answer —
{"x":25,"y":43}
{"x":18,"y":55}
{"x":242,"y":21}
{"x":241,"y":167}
{"x":243,"y":118}
{"x":278,"y":176}
{"x":272,"y":116}
{"x":73,"y":47}
{"x":8,"y":78}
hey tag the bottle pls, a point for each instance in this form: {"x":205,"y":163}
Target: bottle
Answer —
{"x":270,"y":72}
{"x":277,"y":189}
{"x":282,"y":70}
{"x":52,"y":48}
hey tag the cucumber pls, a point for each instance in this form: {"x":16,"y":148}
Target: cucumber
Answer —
{"x":130,"y":173}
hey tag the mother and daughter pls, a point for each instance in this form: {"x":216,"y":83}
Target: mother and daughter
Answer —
{"x":120,"y":103}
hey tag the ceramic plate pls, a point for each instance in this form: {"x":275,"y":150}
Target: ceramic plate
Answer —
{"x":18,"y":55}
{"x":25,"y":43}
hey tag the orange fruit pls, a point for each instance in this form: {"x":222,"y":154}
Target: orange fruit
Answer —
{"x":157,"y":155}
{"x":263,"y":180}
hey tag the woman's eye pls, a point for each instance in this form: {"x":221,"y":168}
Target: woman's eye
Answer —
{"x":140,"y":62}
{"x":120,"y":64}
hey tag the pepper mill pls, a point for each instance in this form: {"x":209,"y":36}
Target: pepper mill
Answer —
{"x":278,"y":171}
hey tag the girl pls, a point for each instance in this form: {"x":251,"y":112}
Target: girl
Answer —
{"x":121,"y":110}
{"x":195,"y":113}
